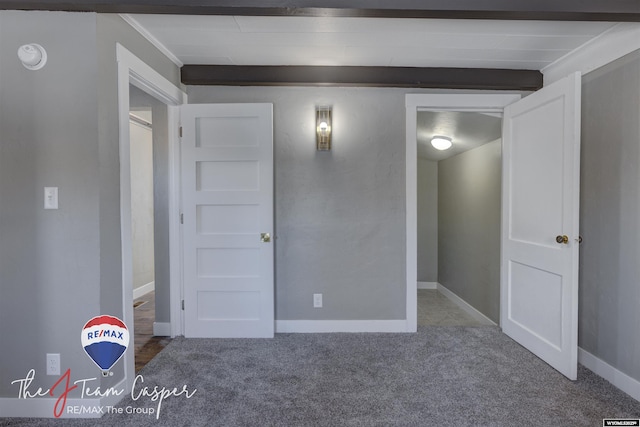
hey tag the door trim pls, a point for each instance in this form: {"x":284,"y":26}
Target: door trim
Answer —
{"x":442,"y":102}
{"x":132,"y":70}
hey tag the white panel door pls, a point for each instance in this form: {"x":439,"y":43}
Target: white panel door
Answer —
{"x":227,"y":199}
{"x":541,"y":155}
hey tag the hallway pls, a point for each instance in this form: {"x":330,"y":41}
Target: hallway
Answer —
{"x":435,"y":309}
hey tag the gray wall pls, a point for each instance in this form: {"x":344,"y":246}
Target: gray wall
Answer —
{"x":340,"y":215}
{"x":59,"y":127}
{"x":141,"y":149}
{"x":160,"y":198}
{"x":49,"y":259}
{"x":427,"y":220}
{"x":610,"y":215}
{"x":469,"y":200}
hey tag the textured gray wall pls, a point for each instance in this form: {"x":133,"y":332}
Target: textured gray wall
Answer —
{"x":610,"y":215}
{"x":60,"y":128}
{"x":141,"y":204}
{"x":469,"y":200}
{"x":49,"y":259}
{"x":340,"y":216}
{"x":427,"y":220}
{"x":160,"y":198}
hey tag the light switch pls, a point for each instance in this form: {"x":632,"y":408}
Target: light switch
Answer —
{"x":51,"y":197}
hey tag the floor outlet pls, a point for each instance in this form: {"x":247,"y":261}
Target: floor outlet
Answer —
{"x":317,"y":300}
{"x":53,"y":363}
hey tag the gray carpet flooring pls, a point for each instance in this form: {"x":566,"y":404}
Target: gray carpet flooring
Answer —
{"x":462,"y":376}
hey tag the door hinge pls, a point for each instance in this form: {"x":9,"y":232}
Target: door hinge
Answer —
{"x":181,"y":218}
{"x":180,"y":131}
{"x":183,"y":305}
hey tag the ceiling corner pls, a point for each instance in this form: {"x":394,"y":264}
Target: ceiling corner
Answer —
{"x":151,"y":39}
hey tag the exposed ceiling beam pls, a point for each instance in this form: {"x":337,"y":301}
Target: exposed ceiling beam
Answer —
{"x":447,"y":78}
{"x":563,"y":10}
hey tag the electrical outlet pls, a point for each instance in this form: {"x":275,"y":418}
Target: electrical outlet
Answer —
{"x":53,"y":363}
{"x":317,"y":300}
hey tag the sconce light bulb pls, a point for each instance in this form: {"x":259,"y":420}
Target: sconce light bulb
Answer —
{"x":323,"y":128}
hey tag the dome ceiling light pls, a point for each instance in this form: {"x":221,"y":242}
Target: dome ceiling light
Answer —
{"x":441,"y":142}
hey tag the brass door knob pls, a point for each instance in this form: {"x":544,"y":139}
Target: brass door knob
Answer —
{"x":562,"y":239}
{"x":265,"y":237}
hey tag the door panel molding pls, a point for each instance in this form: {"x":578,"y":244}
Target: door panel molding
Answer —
{"x":540,"y":200}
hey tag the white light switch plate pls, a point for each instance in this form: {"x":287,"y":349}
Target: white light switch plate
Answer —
{"x":51,"y":197}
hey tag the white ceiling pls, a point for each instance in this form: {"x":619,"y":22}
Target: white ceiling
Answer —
{"x":250,"y":40}
{"x":467,"y":130}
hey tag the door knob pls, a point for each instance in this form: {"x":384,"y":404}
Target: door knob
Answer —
{"x":265,"y":237}
{"x":562,"y":239}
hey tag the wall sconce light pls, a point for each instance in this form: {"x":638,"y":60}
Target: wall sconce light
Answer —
{"x":441,"y":142}
{"x":323,"y":128}
{"x":33,"y":56}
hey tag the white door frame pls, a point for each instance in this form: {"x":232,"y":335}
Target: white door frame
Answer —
{"x":481,"y":102}
{"x":132,"y":70}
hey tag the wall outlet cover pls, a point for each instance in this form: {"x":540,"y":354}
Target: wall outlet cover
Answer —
{"x":53,"y":363}
{"x":317,"y":300}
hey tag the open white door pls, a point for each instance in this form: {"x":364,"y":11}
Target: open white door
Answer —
{"x":540,"y":203}
{"x":227,"y":202}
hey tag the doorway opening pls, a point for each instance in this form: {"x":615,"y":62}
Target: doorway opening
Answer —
{"x":458,"y":202}
{"x":142,"y":200}
{"x":484,"y":103}
{"x":134,"y":73}
{"x":150,"y":302}
{"x":539,"y":194}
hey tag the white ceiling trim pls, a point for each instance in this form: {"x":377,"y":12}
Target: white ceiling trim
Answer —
{"x":147,"y":35}
{"x":612,"y":44}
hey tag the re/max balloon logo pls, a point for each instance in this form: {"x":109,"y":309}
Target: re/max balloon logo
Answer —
{"x":105,"y":339}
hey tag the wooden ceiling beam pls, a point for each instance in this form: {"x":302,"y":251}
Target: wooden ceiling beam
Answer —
{"x":410,"y":77}
{"x":556,"y":10}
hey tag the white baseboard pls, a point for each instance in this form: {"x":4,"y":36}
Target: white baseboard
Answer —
{"x":41,"y":407}
{"x":465,"y":306}
{"x":427,"y":285}
{"x":619,"y":379}
{"x":327,"y":326}
{"x":162,"y":329}
{"x":144,"y":289}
